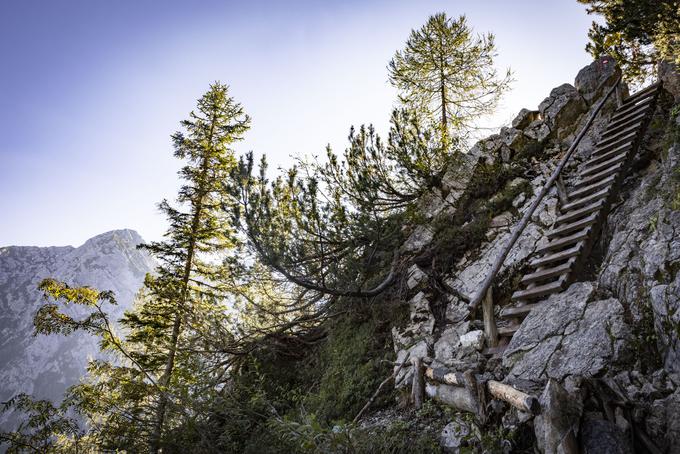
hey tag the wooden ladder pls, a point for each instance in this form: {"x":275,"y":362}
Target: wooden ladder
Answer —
{"x":576,"y":229}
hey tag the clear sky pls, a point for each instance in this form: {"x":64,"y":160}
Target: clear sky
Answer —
{"x":90,"y":90}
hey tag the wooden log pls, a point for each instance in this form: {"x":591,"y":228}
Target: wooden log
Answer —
{"x":490,"y":330}
{"x":444,"y":376}
{"x":455,"y":396}
{"x":418,"y":386}
{"x":514,"y":397}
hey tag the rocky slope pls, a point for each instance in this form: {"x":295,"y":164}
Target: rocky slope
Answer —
{"x":604,"y":355}
{"x":45,"y":366}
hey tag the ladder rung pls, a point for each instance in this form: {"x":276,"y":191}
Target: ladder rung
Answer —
{"x":626,"y":109}
{"x":565,"y":241}
{"x":517,"y":311}
{"x":611,"y":170}
{"x":624,"y":122}
{"x":623,"y":115}
{"x":589,"y":170}
{"x":585,"y":200}
{"x":547,"y":273}
{"x":490,"y":351}
{"x":541,"y":290}
{"x":591,"y":188}
{"x":607,"y":139}
{"x":628,"y":139}
{"x":505,"y":331}
{"x":574,"y":226}
{"x":647,"y":91}
{"x":581,"y":212}
{"x":623,"y":149}
{"x":558,"y":256}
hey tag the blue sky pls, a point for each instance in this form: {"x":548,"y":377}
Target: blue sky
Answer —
{"x":90,"y":90}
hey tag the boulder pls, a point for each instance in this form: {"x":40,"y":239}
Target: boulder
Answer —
{"x":562,"y":109}
{"x":473,"y":340}
{"x":455,"y":436}
{"x":593,"y":80}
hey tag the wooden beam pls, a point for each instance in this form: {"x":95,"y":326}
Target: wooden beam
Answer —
{"x":514,"y":397}
{"x":444,"y":376}
{"x":418,"y":385}
{"x":490,"y":329}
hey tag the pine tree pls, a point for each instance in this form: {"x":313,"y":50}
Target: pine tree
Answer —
{"x":638,"y":34}
{"x":448,"y":73}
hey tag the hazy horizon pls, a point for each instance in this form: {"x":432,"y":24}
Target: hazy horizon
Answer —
{"x":92,"y":91}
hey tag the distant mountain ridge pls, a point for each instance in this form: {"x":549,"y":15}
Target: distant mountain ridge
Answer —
{"x":45,"y":366}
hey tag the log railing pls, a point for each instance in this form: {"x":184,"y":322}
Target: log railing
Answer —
{"x":483,"y":292}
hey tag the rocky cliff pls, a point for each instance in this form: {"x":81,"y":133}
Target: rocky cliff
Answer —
{"x":45,"y":366}
{"x":603,"y":355}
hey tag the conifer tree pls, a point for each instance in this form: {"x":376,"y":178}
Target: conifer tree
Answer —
{"x":448,"y":73}
{"x":188,"y":273}
{"x":638,"y":34}
{"x":177,"y":334}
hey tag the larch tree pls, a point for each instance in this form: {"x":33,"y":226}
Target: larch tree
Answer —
{"x":448,"y":73}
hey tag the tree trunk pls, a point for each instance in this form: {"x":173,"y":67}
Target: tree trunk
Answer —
{"x":177,"y":325}
{"x":442,"y":88}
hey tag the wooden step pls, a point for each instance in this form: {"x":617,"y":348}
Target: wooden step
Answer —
{"x":565,"y":241}
{"x":518,"y":311}
{"x":626,"y":121}
{"x":602,"y":193}
{"x":506,"y":331}
{"x":547,"y":273}
{"x":623,"y":149}
{"x":625,"y":110}
{"x":627,"y":139}
{"x":609,"y":138}
{"x":589,"y":170}
{"x":573,"y":227}
{"x":647,"y":91}
{"x":611,"y":170}
{"x":581,"y":212}
{"x":540,"y":290}
{"x":494,"y":351}
{"x":591,"y":188}
{"x":558,"y":256}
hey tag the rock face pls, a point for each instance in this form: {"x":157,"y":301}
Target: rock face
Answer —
{"x":614,"y":332}
{"x":569,"y":334}
{"x":45,"y":366}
